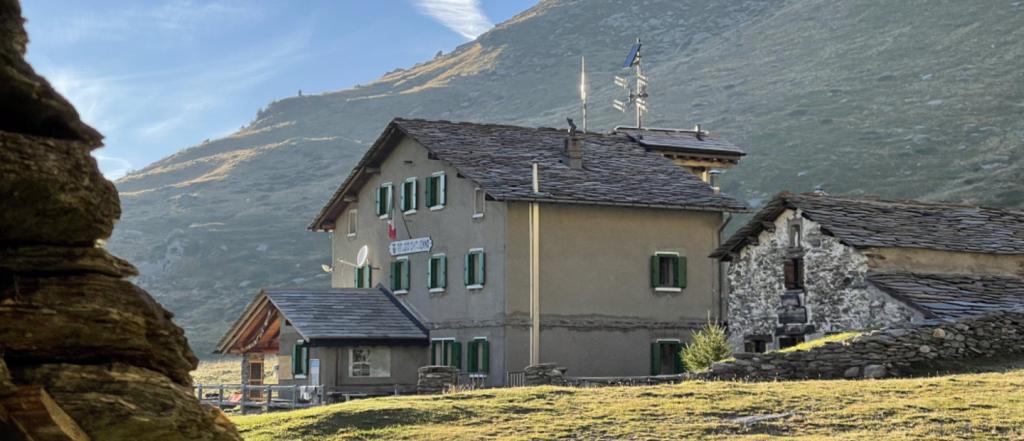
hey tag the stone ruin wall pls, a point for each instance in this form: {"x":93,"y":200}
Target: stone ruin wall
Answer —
{"x":883,"y":353}
{"x":84,"y":353}
{"x":836,"y":295}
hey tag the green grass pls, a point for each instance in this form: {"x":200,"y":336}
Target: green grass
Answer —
{"x":971,"y":406}
{"x":808,"y":345}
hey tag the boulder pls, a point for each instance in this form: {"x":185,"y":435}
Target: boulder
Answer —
{"x":853,"y":372}
{"x":119,"y":401}
{"x":874,"y":371}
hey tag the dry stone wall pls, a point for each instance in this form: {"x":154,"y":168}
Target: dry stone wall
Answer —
{"x":436,"y":379}
{"x":883,"y":353}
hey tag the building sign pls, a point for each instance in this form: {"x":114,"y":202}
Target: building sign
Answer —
{"x":411,"y":246}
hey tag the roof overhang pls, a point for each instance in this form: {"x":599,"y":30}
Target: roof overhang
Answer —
{"x":256,"y":330}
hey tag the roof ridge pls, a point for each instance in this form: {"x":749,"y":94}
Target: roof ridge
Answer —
{"x":883,"y":200}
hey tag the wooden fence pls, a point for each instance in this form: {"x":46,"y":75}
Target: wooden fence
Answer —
{"x":260,"y":398}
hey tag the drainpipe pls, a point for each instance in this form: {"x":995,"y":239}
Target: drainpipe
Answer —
{"x":535,"y":272}
{"x":719,"y":274}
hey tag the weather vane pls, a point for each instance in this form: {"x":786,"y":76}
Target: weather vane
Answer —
{"x":637,"y":94}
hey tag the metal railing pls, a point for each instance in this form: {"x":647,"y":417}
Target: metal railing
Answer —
{"x":245,"y":398}
{"x":515,"y":379}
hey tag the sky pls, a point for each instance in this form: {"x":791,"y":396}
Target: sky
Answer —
{"x":159,"y":76}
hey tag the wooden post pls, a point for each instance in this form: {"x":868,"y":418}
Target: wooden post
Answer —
{"x":220,"y":397}
{"x":320,"y":394}
{"x":241,"y":404}
{"x":268,"y":397}
{"x":199,"y":389}
{"x":295,"y":395}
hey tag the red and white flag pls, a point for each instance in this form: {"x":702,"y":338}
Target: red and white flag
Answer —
{"x":392,"y":232}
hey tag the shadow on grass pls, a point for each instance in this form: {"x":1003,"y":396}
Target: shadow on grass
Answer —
{"x":375,"y":419}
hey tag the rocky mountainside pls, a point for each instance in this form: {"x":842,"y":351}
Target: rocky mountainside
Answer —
{"x":916,"y":98}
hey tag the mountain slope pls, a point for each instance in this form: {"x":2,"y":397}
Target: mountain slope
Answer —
{"x":915,"y":98}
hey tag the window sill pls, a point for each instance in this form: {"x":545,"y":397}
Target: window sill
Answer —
{"x":409,"y":212}
{"x":478,"y":215}
{"x":351,"y":235}
{"x":384,"y":216}
{"x":433,"y":290}
{"x":299,"y":377}
{"x":667,"y":289}
{"x":474,"y":287}
{"x":437,"y":207}
{"x":401,"y":291}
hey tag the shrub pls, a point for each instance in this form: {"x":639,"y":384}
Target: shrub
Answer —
{"x":708,"y":345}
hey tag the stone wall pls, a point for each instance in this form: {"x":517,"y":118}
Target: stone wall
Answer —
{"x":436,"y":379}
{"x":544,"y":374}
{"x":883,"y":353}
{"x":98,"y":356}
{"x":835,"y":297}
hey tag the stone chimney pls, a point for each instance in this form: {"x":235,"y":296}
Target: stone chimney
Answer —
{"x":572,"y":153}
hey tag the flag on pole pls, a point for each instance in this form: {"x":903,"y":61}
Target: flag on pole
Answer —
{"x":392,"y":232}
{"x":583,"y":89}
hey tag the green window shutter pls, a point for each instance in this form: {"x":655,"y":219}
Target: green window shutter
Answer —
{"x":433,"y":353}
{"x":406,"y":274}
{"x":442,"y":189}
{"x":481,"y":269}
{"x":446,"y":350}
{"x":655,"y":358}
{"x":369,"y":276}
{"x":295,"y":359}
{"x":471,"y":359}
{"x":392,"y":277}
{"x":655,"y":270}
{"x":486,"y":358}
{"x":457,"y":354}
{"x":442,"y":273}
{"x":681,"y":272}
{"x":466,"y":268}
{"x":402,"y":196}
{"x":359,"y":277}
{"x":431,"y":271}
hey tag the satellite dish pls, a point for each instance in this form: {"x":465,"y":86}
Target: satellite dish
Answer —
{"x":326,"y":268}
{"x":362,"y":256}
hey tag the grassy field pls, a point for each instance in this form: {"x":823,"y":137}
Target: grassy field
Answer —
{"x":228,"y":371}
{"x":966,"y":406}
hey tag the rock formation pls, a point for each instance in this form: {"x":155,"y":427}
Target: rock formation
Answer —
{"x":84,"y":354}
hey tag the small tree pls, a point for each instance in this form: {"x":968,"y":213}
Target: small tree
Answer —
{"x":707,"y":346}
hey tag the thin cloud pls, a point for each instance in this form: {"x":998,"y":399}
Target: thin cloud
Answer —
{"x":462,"y":16}
{"x":112,"y":167}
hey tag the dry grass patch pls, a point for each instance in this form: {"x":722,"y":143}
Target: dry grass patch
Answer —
{"x":976,"y":406}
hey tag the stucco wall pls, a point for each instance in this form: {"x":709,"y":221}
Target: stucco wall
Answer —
{"x":933,"y":261}
{"x":836,"y":295}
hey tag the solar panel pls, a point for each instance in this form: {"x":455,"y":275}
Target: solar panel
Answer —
{"x":631,"y":58}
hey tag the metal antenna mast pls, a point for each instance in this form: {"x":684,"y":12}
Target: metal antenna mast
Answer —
{"x":583,"y":90}
{"x":636,"y":98}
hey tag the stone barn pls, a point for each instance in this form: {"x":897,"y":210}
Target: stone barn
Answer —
{"x":809,"y":265}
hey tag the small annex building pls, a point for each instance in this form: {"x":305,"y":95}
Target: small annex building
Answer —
{"x":808,"y":265}
{"x":358,"y":340}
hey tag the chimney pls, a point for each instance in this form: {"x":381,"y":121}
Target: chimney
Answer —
{"x":572,"y":154}
{"x":714,"y":177}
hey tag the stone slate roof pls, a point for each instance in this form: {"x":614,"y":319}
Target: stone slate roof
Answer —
{"x":863,"y":223}
{"x":498,"y":158}
{"x":952,"y":295}
{"x":347,"y":313}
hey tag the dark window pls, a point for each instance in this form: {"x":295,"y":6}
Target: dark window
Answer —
{"x":789,"y":341}
{"x":668,"y":271}
{"x":794,"y":236}
{"x":665,"y":358}
{"x":794,"y":273}
{"x":758,"y":346}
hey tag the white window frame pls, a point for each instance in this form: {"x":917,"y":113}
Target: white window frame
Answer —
{"x":390,"y":200}
{"x":353,"y":222}
{"x":415,"y":191}
{"x":667,"y":288}
{"x":351,"y":363}
{"x":444,"y":286}
{"x":399,"y":276}
{"x":476,"y":286}
{"x":442,"y":340}
{"x":441,"y":191}
{"x":479,"y":193}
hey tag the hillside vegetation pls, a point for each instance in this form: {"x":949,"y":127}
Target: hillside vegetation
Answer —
{"x":910,"y":98}
{"x":975,"y":406}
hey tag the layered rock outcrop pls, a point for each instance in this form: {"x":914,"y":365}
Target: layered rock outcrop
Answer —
{"x":84,"y":353}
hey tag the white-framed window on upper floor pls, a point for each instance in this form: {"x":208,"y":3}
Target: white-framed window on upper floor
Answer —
{"x":478,"y":355}
{"x":668,"y":271}
{"x":407,"y":198}
{"x":437,"y":190}
{"x":364,"y":276}
{"x":400,"y":275}
{"x":445,"y":352}
{"x":353,"y":222}
{"x":479,"y":202}
{"x":370,"y":361}
{"x":474,"y":269}
{"x":385,"y":200}
{"x":437,"y":273}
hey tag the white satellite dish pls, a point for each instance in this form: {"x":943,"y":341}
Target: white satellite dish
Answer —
{"x":362,"y":256}
{"x":326,"y":268}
